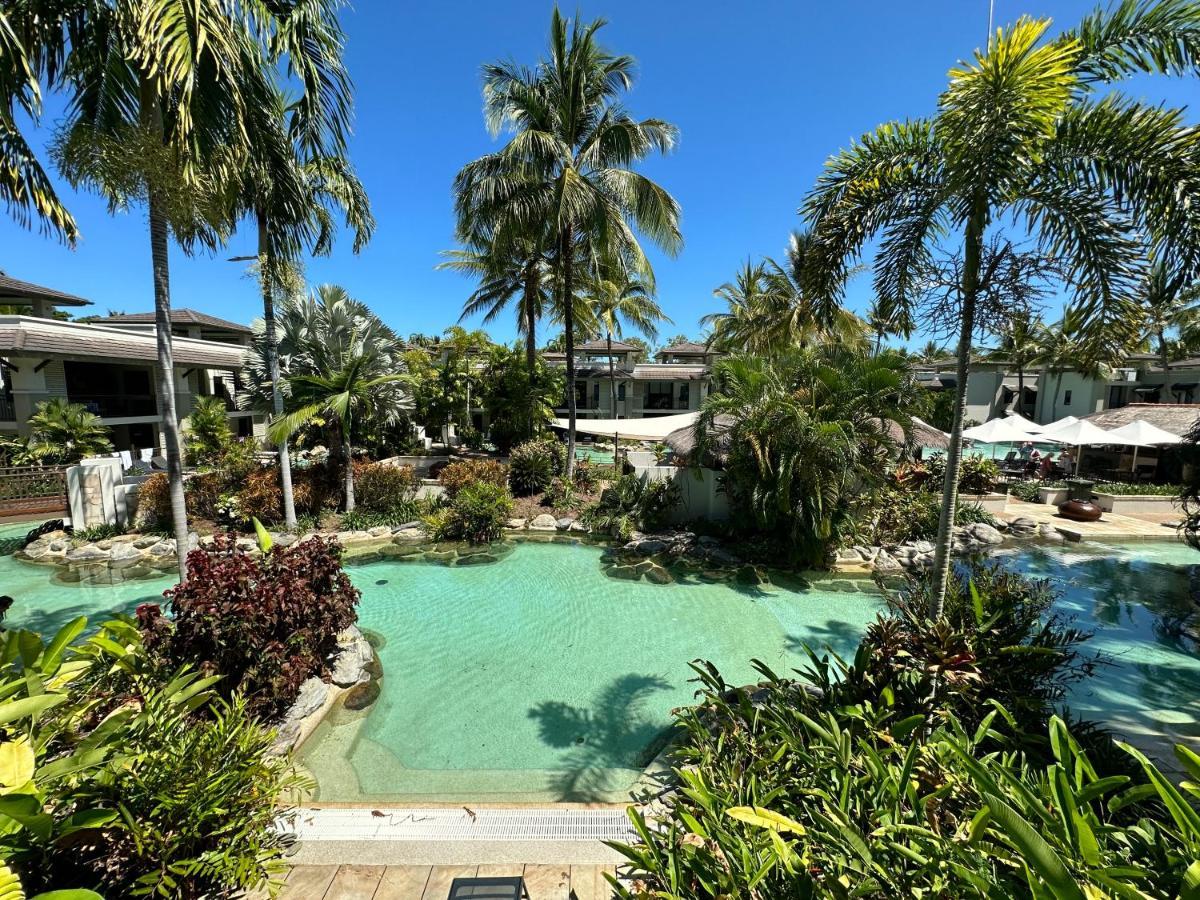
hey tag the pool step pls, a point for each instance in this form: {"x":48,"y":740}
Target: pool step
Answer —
{"x":459,"y":824}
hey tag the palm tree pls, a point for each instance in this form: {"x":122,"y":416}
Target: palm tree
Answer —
{"x":520,"y":270}
{"x":161,"y":95}
{"x":66,"y":432}
{"x":339,"y":364}
{"x":933,"y":352}
{"x":1020,"y":347}
{"x":617,"y":298}
{"x":566,"y":171}
{"x":291,"y":193}
{"x":1169,"y":305}
{"x":1019,"y":135}
{"x":742,"y":327}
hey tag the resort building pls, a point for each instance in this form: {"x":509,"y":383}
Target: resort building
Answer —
{"x":677,"y":382}
{"x":108,"y":364}
{"x":1048,"y":395}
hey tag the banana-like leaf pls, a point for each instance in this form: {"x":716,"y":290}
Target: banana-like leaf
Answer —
{"x":1038,"y":855}
{"x":265,"y":543}
{"x":29,"y":706}
{"x":17,"y":763}
{"x":764,"y":818}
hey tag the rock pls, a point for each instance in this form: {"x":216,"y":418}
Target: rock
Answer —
{"x":867,"y":553}
{"x":36,"y":550}
{"x":246,"y":544}
{"x":398,"y":551}
{"x":122,"y":556}
{"x":125,"y":538}
{"x":848,"y":554}
{"x":544,"y":522}
{"x":104,"y":545}
{"x":361,"y":695}
{"x":578,"y":526}
{"x":1046,"y":529}
{"x":516,"y":522}
{"x":708,"y":541}
{"x":85,"y":553}
{"x":440,"y":555}
{"x":885,"y":562}
{"x":564,"y":523}
{"x":312,"y":696}
{"x":751,"y":575}
{"x":286,"y":736}
{"x":1023,"y":522}
{"x":658,"y":575}
{"x":284,"y":539}
{"x":626,"y":573}
{"x":164,"y":548}
{"x":408,"y":534}
{"x":350,"y":666}
{"x":720,"y":557}
{"x":986,"y":534}
{"x":146,"y":541}
{"x":648,"y":547}
{"x":476,"y":559}
{"x":922,"y":546}
{"x":380,"y":531}
{"x":415,"y":523}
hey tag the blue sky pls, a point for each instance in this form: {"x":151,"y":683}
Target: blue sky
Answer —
{"x":762,"y":93}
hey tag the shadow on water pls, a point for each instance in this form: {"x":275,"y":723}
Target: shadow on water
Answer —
{"x":615,"y":733}
{"x":840,"y":637}
{"x":47,"y":621}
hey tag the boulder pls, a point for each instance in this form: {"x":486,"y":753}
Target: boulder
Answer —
{"x":415,"y":523}
{"x":380,"y":531}
{"x":1023,"y":522}
{"x":564,"y":523}
{"x":122,"y":556}
{"x":849,"y":554}
{"x":59,"y":545}
{"x":648,"y":547}
{"x":626,"y":573}
{"x":361,"y":695}
{"x":985,"y":534}
{"x":922,"y":546}
{"x":352,"y":661}
{"x":476,"y":559}
{"x":164,"y":548}
{"x":87,"y":552}
{"x":516,"y":522}
{"x":544,"y":522}
{"x":658,"y":575}
{"x":36,"y":550}
{"x":885,"y":562}
{"x":406,"y":535}
{"x":146,"y":541}
{"x":312,"y":696}
{"x":578,"y":526}
{"x":721,"y":557}
{"x":284,"y":539}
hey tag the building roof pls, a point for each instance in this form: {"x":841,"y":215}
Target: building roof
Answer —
{"x":669,"y":372}
{"x":685,"y":347}
{"x":12,"y":290}
{"x":1177,"y":418}
{"x":182,"y":316}
{"x":618,"y":346}
{"x":54,"y":339}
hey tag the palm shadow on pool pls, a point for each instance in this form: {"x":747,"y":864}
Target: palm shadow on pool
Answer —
{"x":48,"y":621}
{"x":616,"y":733}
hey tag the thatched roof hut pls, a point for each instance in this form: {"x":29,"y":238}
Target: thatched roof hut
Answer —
{"x":1177,"y":418}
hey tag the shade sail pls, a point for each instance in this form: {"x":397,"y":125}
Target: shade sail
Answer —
{"x":1080,"y":434}
{"x":648,"y":429}
{"x":1142,"y":434}
{"x":998,"y":431}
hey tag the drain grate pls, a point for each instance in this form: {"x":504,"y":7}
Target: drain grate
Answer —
{"x":392,"y":824}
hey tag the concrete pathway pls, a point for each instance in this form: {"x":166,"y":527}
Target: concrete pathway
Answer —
{"x":1111,"y":527}
{"x":365,"y":882}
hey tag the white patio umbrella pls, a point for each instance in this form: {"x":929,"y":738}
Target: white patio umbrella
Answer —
{"x":1021,"y":422}
{"x":1139,"y":433}
{"x":1079,"y":434}
{"x":1049,"y":430}
{"x":998,"y":431}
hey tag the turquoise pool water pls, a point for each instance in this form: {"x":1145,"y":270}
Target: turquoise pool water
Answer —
{"x":597,"y":457}
{"x":538,"y":678}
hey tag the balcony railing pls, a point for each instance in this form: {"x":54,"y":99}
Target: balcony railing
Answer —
{"x":664,"y":402}
{"x":115,"y":406}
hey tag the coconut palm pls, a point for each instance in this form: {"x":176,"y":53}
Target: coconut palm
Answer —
{"x":519,"y":271}
{"x":566,"y":170}
{"x":1170,"y":313}
{"x":66,"y":432}
{"x":617,"y":299}
{"x":160,"y":98}
{"x":1020,"y":346}
{"x":292,"y":193}
{"x":340,"y":364}
{"x":1019,"y":135}
{"x":743,"y":326}
{"x":932,"y":352}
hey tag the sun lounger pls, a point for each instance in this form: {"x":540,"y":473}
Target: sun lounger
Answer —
{"x":126,"y":459}
{"x":510,"y":888}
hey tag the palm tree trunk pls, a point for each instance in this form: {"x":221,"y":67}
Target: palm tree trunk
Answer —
{"x":972,"y":254}
{"x":348,"y":451}
{"x":1164,"y":357}
{"x":528,"y":310}
{"x":266,"y":268}
{"x":568,"y":310}
{"x":612,"y":378}
{"x":151,"y":116}
{"x":1020,"y":389}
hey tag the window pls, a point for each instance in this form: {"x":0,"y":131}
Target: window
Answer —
{"x":596,"y":392}
{"x":659,"y":395}
{"x":1066,"y":398}
{"x":684,"y":395}
{"x":621,"y":391}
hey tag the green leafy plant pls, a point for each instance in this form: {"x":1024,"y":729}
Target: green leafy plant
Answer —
{"x":973,"y":513}
{"x":382,"y":488}
{"x":561,"y":494}
{"x":94,"y":533}
{"x":632,"y":504}
{"x":532,"y":465}
{"x":1027,"y":490}
{"x":463,"y":472}
{"x":478,"y":513}
{"x":1122,"y":489}
{"x":62,"y":432}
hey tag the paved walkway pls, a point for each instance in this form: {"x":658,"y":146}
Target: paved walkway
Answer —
{"x":433,"y":882}
{"x":1111,"y":527}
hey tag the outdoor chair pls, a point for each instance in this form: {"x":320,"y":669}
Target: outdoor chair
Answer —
{"x":506,"y":888}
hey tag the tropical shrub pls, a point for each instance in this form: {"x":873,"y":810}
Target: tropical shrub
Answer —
{"x":519,"y":404}
{"x":561,"y":494}
{"x":972,"y":514}
{"x":381,"y":488}
{"x":900,"y":516}
{"x":798,"y":795}
{"x":154,"y":502}
{"x":478,"y":513}
{"x":632,"y":504}
{"x":532,"y":465}
{"x":1027,"y":490}
{"x":63,"y":433}
{"x":264,"y":622}
{"x":260,"y":496}
{"x":1120,"y":488}
{"x":132,"y":780}
{"x":977,"y":474}
{"x":463,"y":472}
{"x":585,"y":476}
{"x":208,"y":434}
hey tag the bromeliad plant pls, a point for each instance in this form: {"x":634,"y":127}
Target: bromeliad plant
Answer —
{"x":632,"y":504}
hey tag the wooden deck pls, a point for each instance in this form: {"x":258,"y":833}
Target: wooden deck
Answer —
{"x":433,"y":882}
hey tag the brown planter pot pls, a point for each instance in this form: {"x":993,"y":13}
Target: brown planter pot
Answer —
{"x":1080,"y":510}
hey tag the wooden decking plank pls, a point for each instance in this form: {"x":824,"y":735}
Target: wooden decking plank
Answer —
{"x":403,"y":883}
{"x":308,"y":882}
{"x":438,"y":886}
{"x":548,"y":882}
{"x":355,"y":883}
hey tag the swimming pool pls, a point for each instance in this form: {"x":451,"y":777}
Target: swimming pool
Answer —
{"x":539,"y":678}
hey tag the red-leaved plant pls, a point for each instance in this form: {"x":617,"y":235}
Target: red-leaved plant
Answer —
{"x":264,"y":623}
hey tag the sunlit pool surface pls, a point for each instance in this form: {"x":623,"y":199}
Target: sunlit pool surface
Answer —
{"x":539,"y":678}
{"x":594,"y":456}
